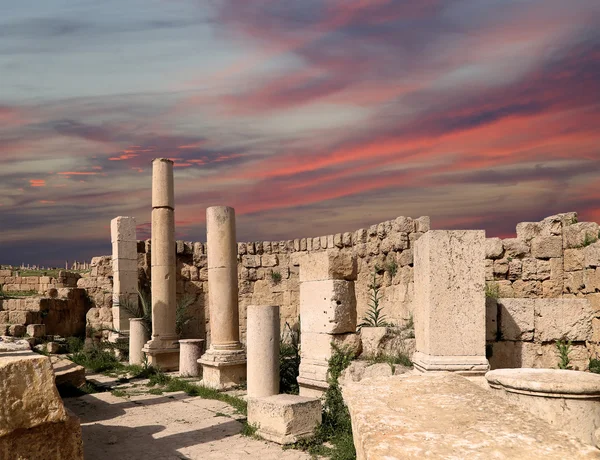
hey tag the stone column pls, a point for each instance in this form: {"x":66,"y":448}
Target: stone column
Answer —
{"x":125,"y":273}
{"x":190,"y":350}
{"x":263,"y":350}
{"x":163,"y":347}
{"x":138,"y":335}
{"x":449,"y":270}
{"x":224,"y":364}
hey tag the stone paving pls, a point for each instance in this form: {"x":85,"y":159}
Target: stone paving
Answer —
{"x":166,"y":427}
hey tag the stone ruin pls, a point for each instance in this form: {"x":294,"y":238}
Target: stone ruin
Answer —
{"x":476,"y":304}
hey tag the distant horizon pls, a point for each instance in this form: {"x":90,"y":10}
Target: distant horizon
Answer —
{"x":309,"y":117}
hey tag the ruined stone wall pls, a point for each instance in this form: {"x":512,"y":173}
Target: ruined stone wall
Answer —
{"x":268,"y":273}
{"x":559,"y":259}
{"x":12,"y":281}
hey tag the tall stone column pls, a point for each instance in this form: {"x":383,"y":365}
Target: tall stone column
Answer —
{"x":125,"y":273}
{"x":163,"y":347}
{"x":224,"y":364}
{"x":449,"y":302}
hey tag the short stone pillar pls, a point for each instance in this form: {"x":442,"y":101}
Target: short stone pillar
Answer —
{"x":449,"y":316}
{"x":224,"y":364}
{"x":190,"y":350}
{"x":138,"y":336}
{"x":163,"y":347}
{"x":125,"y":272}
{"x":327,"y":314}
{"x":263,"y":350}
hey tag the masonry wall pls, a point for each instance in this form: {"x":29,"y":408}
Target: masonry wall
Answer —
{"x":556,"y":258}
{"x":268,"y":273}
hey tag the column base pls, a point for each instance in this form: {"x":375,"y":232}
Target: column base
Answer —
{"x":312,"y":388}
{"x":163,"y":354}
{"x":462,"y":365}
{"x":118,"y":337}
{"x":223,"y":369}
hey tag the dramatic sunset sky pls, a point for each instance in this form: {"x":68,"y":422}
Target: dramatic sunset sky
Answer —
{"x":309,"y":117}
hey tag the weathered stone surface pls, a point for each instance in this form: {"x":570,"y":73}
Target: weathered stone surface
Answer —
{"x":591,"y":255}
{"x":545,"y":247}
{"x":515,"y":247}
{"x":526,"y":231}
{"x":404,"y":224}
{"x":493,"y":248}
{"x":563,"y":318}
{"x":568,"y":400}
{"x":574,"y":260}
{"x":580,"y":234}
{"x":527,"y":289}
{"x":574,"y":282}
{"x":516,"y":318}
{"x":67,"y":373}
{"x":50,"y":440}
{"x":317,"y":346}
{"x":29,"y":397}
{"x":446,"y":416}
{"x":500,"y":268}
{"x":328,"y":265}
{"x":423,"y":224}
{"x":361,"y":369}
{"x":328,"y":306}
{"x":284,"y":419}
{"x":377,"y":341}
{"x":450,"y":300}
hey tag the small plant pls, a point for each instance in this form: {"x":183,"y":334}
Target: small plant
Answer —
{"x":289,"y":360}
{"x":564,"y":349}
{"x":97,"y":359}
{"x":392,"y":268}
{"x":3,"y":294}
{"x":588,"y":239}
{"x":510,"y":259}
{"x":142,"y":308}
{"x":492,"y":291}
{"x":398,"y":358}
{"x":276,"y":277}
{"x":374,"y":317}
{"x":574,"y":220}
{"x":594,"y":365}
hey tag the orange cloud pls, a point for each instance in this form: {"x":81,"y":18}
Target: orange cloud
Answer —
{"x":37,"y":182}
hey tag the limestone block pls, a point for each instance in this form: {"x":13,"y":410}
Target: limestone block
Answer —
{"x":36,"y":330}
{"x":316,"y":243}
{"x":330,"y":243}
{"x":269,"y":260}
{"x":373,"y":247}
{"x":543,"y":270}
{"x":493,"y":248}
{"x":574,"y":259}
{"x":514,"y":247}
{"x":527,"y":289}
{"x":250,"y":247}
{"x":123,"y":229}
{"x":360,"y":236}
{"x":123,"y":250}
{"x":505,"y":289}
{"x":516,"y":318}
{"x":17,"y":330}
{"x":125,"y":282}
{"x":591,"y":255}
{"x":563,"y":318}
{"x":449,"y":293}
{"x":386,"y":246}
{"x":27,"y":391}
{"x":251,"y":261}
{"x":403,"y":224}
{"x":526,"y":231}
{"x":285,"y":419}
{"x":413,"y":237}
{"x":328,"y":265}
{"x":578,"y":234}
{"x":500,"y":268}
{"x":318,"y":346}
{"x":347,"y":239}
{"x":491,"y":319}
{"x":377,"y":341}
{"x":323,"y":241}
{"x":442,"y":416}
{"x":545,"y":247}
{"x":515,"y":269}
{"x":574,"y":282}
{"x":423,"y":224}
{"x":489,"y":270}
{"x":303,"y":244}
{"x":328,"y":306}
{"x":591,"y":279}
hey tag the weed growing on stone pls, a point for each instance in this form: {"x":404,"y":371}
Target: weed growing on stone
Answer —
{"x":564,"y":349}
{"x":97,"y":359}
{"x":119,"y":393}
{"x":392,"y":268}
{"x":492,"y":290}
{"x":398,"y":358}
{"x":289,"y":360}
{"x":594,"y":365}
{"x":373,"y":317}
{"x":336,"y":429}
{"x":588,"y":239}
{"x":276,"y":277}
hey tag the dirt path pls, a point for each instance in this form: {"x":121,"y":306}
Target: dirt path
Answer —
{"x":166,"y":427}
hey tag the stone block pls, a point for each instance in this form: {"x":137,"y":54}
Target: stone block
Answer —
{"x":563,"y":318}
{"x":328,"y":306}
{"x":493,"y":248}
{"x":252,"y":261}
{"x":360,"y":236}
{"x":591,"y":280}
{"x":527,"y":231}
{"x":323,"y":241}
{"x":27,"y":391}
{"x":387,"y":340}
{"x":527,"y":289}
{"x":328,"y":265}
{"x":543,"y":270}
{"x":514,"y":247}
{"x":123,"y":229}
{"x":36,"y":330}
{"x":580,"y":234}
{"x":574,"y":282}
{"x":285,"y":419}
{"x":545,"y":247}
{"x":500,"y":268}
{"x":516,"y":319}
{"x":450,"y":312}
{"x":574,"y":260}
{"x":318,"y":346}
{"x":269,"y":260}
{"x":591,"y":255}
{"x":515,"y":269}
{"x":491,"y":319}
{"x":423,"y":224}
{"x":16,"y":330}
{"x":403,"y":224}
{"x":489,"y":270}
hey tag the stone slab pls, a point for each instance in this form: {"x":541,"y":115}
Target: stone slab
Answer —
{"x":442,"y":416}
{"x":563,"y":318}
{"x":328,"y":265}
{"x":328,"y":306}
{"x":517,"y":319}
{"x":284,"y":419}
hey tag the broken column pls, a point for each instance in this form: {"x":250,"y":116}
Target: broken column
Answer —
{"x":163,"y":347}
{"x":327,"y":314}
{"x":263,"y":350}
{"x":138,"y":336}
{"x":224,"y":364}
{"x":190,"y":350}
{"x":125,"y":274}
{"x":449,"y":271}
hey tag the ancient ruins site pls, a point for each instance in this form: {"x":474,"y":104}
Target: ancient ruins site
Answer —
{"x":388,"y":342}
